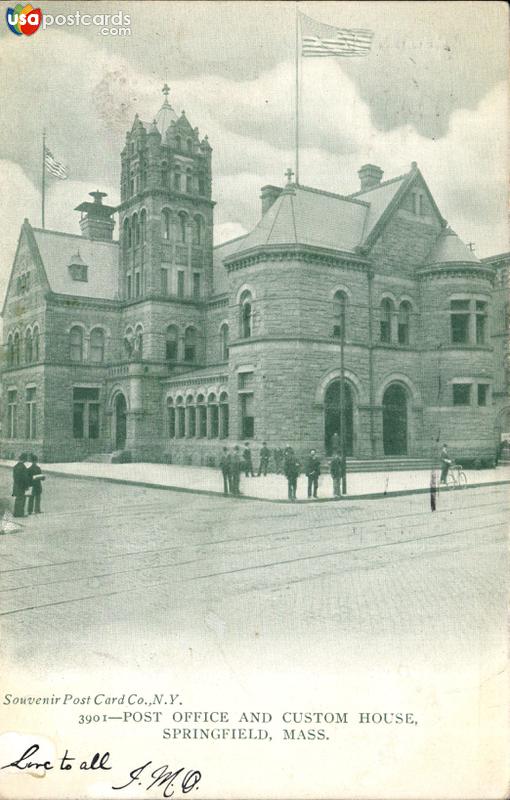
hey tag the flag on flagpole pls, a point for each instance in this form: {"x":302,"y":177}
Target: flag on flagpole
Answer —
{"x":54,"y":167}
{"x":318,"y":39}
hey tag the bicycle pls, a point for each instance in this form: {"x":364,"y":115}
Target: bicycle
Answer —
{"x":456,"y":476}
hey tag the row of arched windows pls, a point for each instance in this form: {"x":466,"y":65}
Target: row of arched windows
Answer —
{"x":23,"y":349}
{"x":135,"y":228}
{"x":182,"y":179}
{"x":96,"y":342}
{"x":190,"y":343}
{"x":199,"y":417}
{"x":401,"y":332}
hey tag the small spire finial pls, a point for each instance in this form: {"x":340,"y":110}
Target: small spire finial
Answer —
{"x":166,"y":91}
{"x":289,"y":175}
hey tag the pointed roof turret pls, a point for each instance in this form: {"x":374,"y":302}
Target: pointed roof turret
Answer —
{"x":166,"y":115}
{"x":450,"y":249}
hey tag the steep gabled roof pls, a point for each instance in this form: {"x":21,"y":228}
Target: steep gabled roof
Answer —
{"x":58,"y":249}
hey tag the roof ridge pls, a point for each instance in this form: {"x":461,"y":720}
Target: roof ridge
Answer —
{"x":330,"y":194}
{"x":74,"y":236}
{"x":380,"y":185}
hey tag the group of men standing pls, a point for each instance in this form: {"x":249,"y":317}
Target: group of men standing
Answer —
{"x":312,"y":470}
{"x":232,"y":464}
{"x":25,"y":479}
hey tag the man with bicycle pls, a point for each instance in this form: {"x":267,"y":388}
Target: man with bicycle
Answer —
{"x":446,"y":463}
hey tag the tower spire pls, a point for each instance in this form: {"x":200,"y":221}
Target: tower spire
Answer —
{"x":166,"y":92}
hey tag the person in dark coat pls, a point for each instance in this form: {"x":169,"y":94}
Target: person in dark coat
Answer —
{"x":312,"y":471}
{"x":225,"y":466}
{"x":291,"y":469}
{"x":446,"y":463}
{"x":34,"y":498}
{"x":265,"y":454}
{"x":235,"y":471}
{"x":247,"y":462}
{"x":20,"y":484}
{"x":335,"y":469}
{"x":335,"y":443}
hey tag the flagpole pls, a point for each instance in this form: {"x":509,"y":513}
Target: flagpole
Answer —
{"x":43,"y":179}
{"x":297,"y":95}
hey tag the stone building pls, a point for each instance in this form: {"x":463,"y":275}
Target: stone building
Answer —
{"x":167,"y":348}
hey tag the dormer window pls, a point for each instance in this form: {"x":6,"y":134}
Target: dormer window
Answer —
{"x":78,"y":269}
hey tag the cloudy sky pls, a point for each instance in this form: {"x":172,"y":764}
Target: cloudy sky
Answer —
{"x":433,"y":90}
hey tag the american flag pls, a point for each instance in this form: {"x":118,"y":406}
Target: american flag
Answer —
{"x":54,"y":167}
{"x":326,"y":40}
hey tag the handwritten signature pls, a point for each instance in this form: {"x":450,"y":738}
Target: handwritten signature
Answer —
{"x":163,"y":777}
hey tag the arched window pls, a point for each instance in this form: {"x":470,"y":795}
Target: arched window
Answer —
{"x":212,"y":417}
{"x":189,"y":181}
{"x":35,"y":343}
{"x":404,"y":316}
{"x":386,"y":315}
{"x":164,"y":173}
{"x":202,"y":416}
{"x":16,"y":350}
{"x":170,"y":418}
{"x":189,"y":145}
{"x":224,"y":342}
{"x":223,"y":421}
{"x":181,"y":425}
{"x":183,"y":223}
{"x":191,"y":417}
{"x":143,"y":225}
{"x":178,"y":144}
{"x":339,"y":314}
{"x":166,"y":223}
{"x":76,"y":344}
{"x":136,"y":229}
{"x":201,"y":183}
{"x":190,"y":344}
{"x":246,"y":315}
{"x":171,"y":343}
{"x":197,"y":230}
{"x":97,"y":345}
{"x":127,"y":233}
{"x":177,"y":178}
{"x":10,"y":351}
{"x":129,"y":342}
{"x":28,"y":346}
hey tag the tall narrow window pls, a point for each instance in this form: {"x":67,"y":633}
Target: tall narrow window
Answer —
{"x":404,"y":315}
{"x":136,"y":229}
{"x":189,"y":145}
{"x":247,"y":416}
{"x":76,"y":344}
{"x":164,"y":174}
{"x":183,"y":223}
{"x":339,"y":314}
{"x":177,"y":178}
{"x":165,"y":224}
{"x":459,"y":321}
{"x":35,"y":343}
{"x":461,"y":394}
{"x":171,"y":343}
{"x":196,"y":286}
{"x":246,"y":315}
{"x":178,"y":144}
{"x":386,"y":315}
{"x":86,"y":413}
{"x":139,"y":341}
{"x":16,"y":350}
{"x":28,"y":346}
{"x":481,"y":322}
{"x":189,"y":181}
{"x":191,"y":421}
{"x":202,"y":416}
{"x":224,"y":342}
{"x":213,"y":417}
{"x":170,"y":418}
{"x":12,"y":413}
{"x":201,"y":183}
{"x":128,"y":286}
{"x":97,"y":346}
{"x":482,"y":393}
{"x":138,"y":285}
{"x":30,"y":415}
{"x":127,"y":234}
{"x":181,"y":424}
{"x":180,"y":283}
{"x":223,"y":415}
{"x":190,"y":344}
{"x":10,"y":351}
{"x":143,"y":225}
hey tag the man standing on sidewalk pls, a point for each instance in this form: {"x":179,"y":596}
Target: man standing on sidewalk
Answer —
{"x":313,"y":470}
{"x":291,"y":469}
{"x":264,"y":459}
{"x":36,"y":478}
{"x":247,"y":462}
{"x":335,"y":469}
{"x":20,"y":484}
{"x":445,"y":464}
{"x":235,"y":471}
{"x":225,"y":466}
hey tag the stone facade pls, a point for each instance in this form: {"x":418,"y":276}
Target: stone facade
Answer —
{"x":167,"y":348}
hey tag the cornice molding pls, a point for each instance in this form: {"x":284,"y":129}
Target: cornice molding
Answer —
{"x":295,"y":252}
{"x":457,"y":270}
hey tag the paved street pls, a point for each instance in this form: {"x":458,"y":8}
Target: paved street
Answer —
{"x":366,"y":580}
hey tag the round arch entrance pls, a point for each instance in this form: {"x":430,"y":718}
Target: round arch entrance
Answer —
{"x":395,"y":420}
{"x":120,"y":421}
{"x":333,"y":419}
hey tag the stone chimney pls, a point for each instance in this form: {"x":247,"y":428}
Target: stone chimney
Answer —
{"x":268,"y":194}
{"x":370,"y":176}
{"x":96,"y":219}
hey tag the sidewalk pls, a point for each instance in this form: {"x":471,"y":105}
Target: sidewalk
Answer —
{"x":272,"y":487}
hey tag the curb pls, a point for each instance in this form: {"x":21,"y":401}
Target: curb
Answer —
{"x":304,"y":500}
